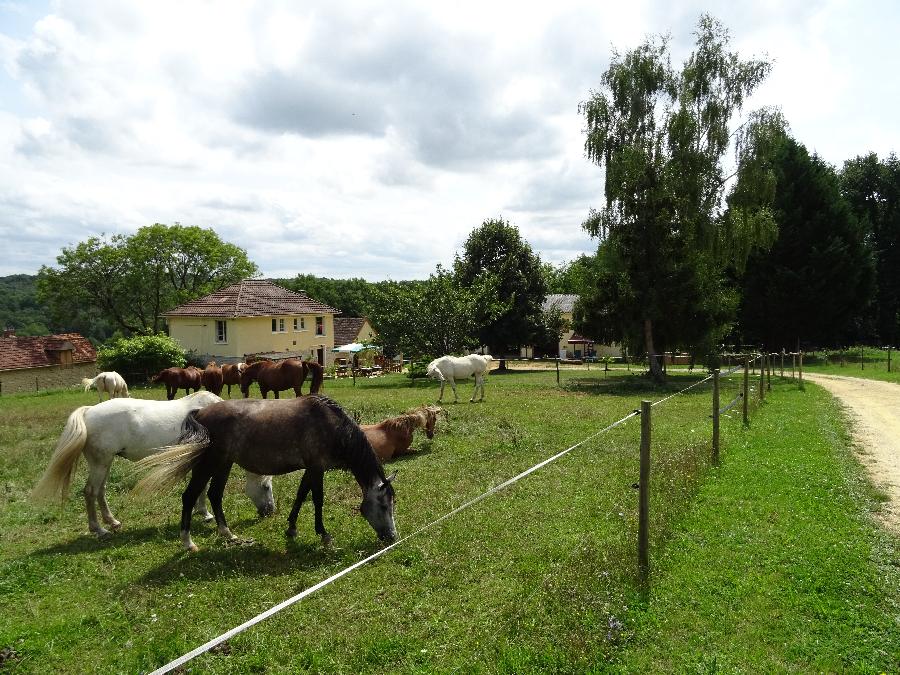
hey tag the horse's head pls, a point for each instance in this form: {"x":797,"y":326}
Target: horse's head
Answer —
{"x":430,"y":415}
{"x":378,"y":508}
{"x":259,"y":489}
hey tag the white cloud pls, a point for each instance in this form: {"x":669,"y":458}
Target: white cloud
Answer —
{"x":367,"y":141}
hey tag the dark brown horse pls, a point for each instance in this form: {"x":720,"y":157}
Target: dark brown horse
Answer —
{"x":393,"y":437}
{"x":212,"y":378}
{"x":179,"y":378}
{"x":272,"y":438}
{"x":278,"y":377}
{"x":231,"y":374}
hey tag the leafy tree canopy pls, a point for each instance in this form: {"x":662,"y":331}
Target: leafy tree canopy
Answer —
{"x":496,"y":257}
{"x":662,"y":136}
{"x":129,"y":280}
{"x":354,"y":297}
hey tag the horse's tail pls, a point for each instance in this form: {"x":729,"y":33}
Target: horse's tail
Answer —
{"x":86,"y":382}
{"x":318,"y":376}
{"x":59,"y":473}
{"x":174,"y":462}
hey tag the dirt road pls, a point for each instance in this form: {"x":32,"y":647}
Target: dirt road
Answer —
{"x":875,"y":408}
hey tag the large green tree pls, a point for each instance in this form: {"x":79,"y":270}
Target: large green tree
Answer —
{"x":873,"y":189}
{"x":662,"y":136}
{"x":428,"y":318}
{"x":131,"y":279}
{"x":354,"y":297}
{"x":495,"y":256}
{"x":816,"y":282}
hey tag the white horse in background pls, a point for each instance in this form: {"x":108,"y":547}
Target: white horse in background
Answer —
{"x":450,"y":368}
{"x":110,"y":382}
{"x":132,"y":428}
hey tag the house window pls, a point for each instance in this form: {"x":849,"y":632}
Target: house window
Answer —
{"x":278,"y":326}
{"x":320,"y":325}
{"x":299,"y":323}
{"x":221,"y":332}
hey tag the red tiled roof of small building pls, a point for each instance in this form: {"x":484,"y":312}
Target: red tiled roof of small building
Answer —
{"x":346,"y":330}
{"x":252,"y":297}
{"x":37,"y":352}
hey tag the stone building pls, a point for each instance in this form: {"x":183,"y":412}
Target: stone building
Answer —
{"x":44,"y":362}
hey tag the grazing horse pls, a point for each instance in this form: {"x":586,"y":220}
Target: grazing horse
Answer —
{"x":110,"y":382}
{"x":231,"y":374}
{"x":272,"y":437}
{"x":130,"y":428}
{"x":211,"y":378}
{"x":179,"y":378}
{"x":451,"y":368}
{"x":249,"y":373}
{"x":392,"y":437}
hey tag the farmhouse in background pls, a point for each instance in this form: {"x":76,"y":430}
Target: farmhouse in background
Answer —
{"x":352,"y":329}
{"x":571,"y":344}
{"x":254,"y":317}
{"x":44,"y":362}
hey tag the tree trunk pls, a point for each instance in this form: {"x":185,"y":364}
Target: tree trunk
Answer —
{"x":655,"y":371}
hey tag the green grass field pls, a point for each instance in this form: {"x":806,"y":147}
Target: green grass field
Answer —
{"x":771,"y":561}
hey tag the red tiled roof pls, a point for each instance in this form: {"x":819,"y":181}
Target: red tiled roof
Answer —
{"x":252,"y":297}
{"x":37,"y":352}
{"x":346,"y":330}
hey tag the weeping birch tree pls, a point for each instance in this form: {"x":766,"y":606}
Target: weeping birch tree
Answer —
{"x":680,"y":208}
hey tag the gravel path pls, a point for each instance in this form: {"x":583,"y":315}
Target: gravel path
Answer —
{"x":875,"y":408}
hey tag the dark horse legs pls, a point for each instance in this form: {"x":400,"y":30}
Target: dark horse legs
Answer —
{"x":313,"y":480}
{"x":199,"y":478}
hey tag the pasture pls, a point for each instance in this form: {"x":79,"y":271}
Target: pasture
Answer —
{"x":540,"y":576}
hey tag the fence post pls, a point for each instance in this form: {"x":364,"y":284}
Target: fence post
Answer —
{"x":769,"y":372}
{"x":557,"y":371}
{"x":644,"y":497}
{"x":762,"y":377}
{"x":715,"y":412}
{"x":746,"y":389}
{"x":889,"y":358}
{"x":800,"y":369}
{"x":782,"y":363}
{"x":793,"y":366}
{"x":862,"y":357}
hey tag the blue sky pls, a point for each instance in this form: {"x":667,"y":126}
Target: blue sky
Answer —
{"x":369,"y":139}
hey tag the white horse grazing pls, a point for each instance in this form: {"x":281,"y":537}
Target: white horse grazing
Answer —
{"x":449,"y":368}
{"x":131,"y":428}
{"x":110,"y":382}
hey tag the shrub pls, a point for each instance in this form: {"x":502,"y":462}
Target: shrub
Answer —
{"x":144,"y":354}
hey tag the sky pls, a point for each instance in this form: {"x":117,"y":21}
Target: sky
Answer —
{"x":364,"y":139}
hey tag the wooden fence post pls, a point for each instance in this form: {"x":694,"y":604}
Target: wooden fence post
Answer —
{"x":557,"y":371}
{"x":889,"y":358}
{"x":793,"y":366}
{"x":769,"y":372}
{"x":782,"y":363}
{"x":746,"y":389}
{"x":762,"y":377}
{"x":644,"y":497}
{"x":800,"y":369}
{"x":862,"y":357}
{"x":715,"y":413}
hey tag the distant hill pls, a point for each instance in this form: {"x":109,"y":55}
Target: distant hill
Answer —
{"x":21,"y":310}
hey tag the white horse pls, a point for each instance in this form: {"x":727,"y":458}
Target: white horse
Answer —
{"x":131,"y":428}
{"x":449,"y":368}
{"x":110,"y":382}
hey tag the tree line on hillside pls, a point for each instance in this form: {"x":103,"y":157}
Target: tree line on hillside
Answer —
{"x":696,"y":247}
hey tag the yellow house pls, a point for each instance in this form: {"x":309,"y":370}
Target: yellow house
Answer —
{"x":571,"y":344}
{"x":254,"y":316}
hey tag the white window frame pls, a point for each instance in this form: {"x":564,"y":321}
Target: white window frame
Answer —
{"x":299,"y":324}
{"x":224,"y":334}
{"x":278,"y":326}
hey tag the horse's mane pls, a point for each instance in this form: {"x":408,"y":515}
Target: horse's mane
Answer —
{"x":359,"y":455}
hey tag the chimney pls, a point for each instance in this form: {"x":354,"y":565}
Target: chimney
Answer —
{"x":9,"y":331}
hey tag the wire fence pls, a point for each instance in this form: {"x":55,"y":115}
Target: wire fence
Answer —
{"x":735,"y":382}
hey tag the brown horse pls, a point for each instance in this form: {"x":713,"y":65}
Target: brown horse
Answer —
{"x":393,"y":437}
{"x":212,"y":378}
{"x":231,"y":374}
{"x":278,"y":377}
{"x":179,"y":378}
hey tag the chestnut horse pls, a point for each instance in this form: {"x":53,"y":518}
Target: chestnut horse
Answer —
{"x":212,"y":378}
{"x":393,"y":437}
{"x":179,"y":378}
{"x":231,"y":374}
{"x":277,"y":377}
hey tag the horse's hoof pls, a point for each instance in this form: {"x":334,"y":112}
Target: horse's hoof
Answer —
{"x":102,"y":533}
{"x":327,"y":541}
{"x":115,"y":525}
{"x":193,"y":548}
{"x":206,"y":517}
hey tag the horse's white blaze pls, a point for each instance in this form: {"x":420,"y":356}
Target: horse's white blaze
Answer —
{"x":450,"y":368}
